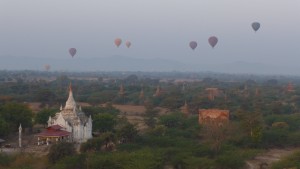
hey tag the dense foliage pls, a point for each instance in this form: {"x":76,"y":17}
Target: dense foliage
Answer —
{"x":263,"y":114}
{"x":12,"y":115}
{"x":60,"y":150}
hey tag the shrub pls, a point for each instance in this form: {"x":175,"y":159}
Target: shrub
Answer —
{"x":60,"y":150}
{"x":72,"y":162}
{"x":230,"y":160}
{"x":5,"y":160}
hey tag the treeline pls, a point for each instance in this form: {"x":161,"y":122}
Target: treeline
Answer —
{"x":12,"y":115}
{"x":270,"y":97}
{"x":262,"y":115}
{"x":173,"y":140}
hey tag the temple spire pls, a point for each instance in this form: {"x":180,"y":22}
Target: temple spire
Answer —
{"x":185,"y":109}
{"x":142,"y":94}
{"x":70,"y":104}
{"x":70,"y":87}
{"x":121,"y":91}
{"x":157,"y":92}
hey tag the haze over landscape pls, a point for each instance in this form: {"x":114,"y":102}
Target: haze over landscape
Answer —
{"x":156,"y":84}
{"x":35,"y":33}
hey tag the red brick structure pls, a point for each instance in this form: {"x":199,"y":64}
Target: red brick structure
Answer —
{"x":212,"y":93}
{"x":213,"y":116}
{"x":121,"y":91}
{"x":157,"y":92}
{"x":185,"y":109}
{"x":290,"y":87}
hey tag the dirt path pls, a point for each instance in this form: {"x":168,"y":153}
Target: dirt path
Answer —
{"x":265,"y":160}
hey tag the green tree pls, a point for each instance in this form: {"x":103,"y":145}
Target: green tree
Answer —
{"x":127,"y":133}
{"x":174,"y":120}
{"x":4,"y":127}
{"x":99,"y":143}
{"x":101,"y":97}
{"x":15,"y":114}
{"x":60,"y":150}
{"x":104,"y":122}
{"x":252,"y":124}
{"x":93,"y":110}
{"x":230,"y":160}
{"x":93,"y":144}
{"x":216,"y":134}
{"x":42,"y":116}
{"x":72,"y":162}
{"x":151,"y":116}
{"x":45,"y":96}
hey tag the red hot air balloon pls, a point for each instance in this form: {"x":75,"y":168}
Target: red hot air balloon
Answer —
{"x":47,"y":67}
{"x":72,"y":51}
{"x":118,"y":42}
{"x":193,"y":45}
{"x":255,"y":26}
{"x":212,"y":41}
{"x":128,"y":44}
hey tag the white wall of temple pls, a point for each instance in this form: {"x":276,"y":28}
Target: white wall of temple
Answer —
{"x":87,"y":131}
{"x":80,"y":133}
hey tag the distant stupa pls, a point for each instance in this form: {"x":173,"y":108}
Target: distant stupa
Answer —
{"x":157,"y":92}
{"x":121,"y":91}
{"x":185,"y":109}
{"x":142,"y":95}
{"x":212,"y":93}
{"x":290,"y":87}
{"x":257,"y":92}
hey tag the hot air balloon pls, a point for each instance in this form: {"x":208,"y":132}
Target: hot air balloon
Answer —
{"x":118,"y":42}
{"x":255,"y":26}
{"x":128,"y":44}
{"x":193,"y":45}
{"x":47,"y":67}
{"x":72,"y":51}
{"x":212,"y":41}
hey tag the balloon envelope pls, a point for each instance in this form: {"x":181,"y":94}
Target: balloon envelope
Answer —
{"x":193,"y":45}
{"x":128,"y":44}
{"x":255,"y":26}
{"x":213,"y":41}
{"x":72,"y":51}
{"x":118,"y":42}
{"x":47,"y":67}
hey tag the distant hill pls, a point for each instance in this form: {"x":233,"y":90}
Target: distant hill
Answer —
{"x":123,"y":63}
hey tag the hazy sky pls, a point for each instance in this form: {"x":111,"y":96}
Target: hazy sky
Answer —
{"x":156,"y":28}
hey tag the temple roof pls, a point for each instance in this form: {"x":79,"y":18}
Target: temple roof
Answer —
{"x":55,"y":127}
{"x":54,"y":131}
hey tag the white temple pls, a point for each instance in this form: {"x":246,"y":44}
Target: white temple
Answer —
{"x":73,"y":120}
